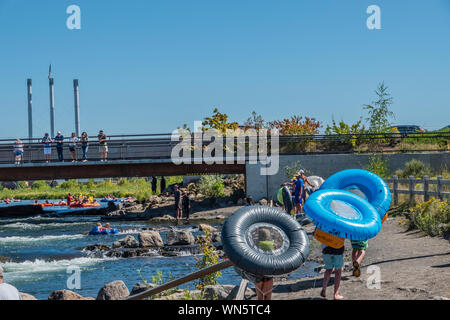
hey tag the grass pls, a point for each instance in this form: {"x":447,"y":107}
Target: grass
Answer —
{"x":40,"y":190}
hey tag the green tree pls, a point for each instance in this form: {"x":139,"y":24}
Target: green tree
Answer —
{"x":219,"y":121}
{"x":256,"y":121}
{"x":379,"y":111}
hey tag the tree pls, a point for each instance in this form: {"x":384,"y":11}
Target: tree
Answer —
{"x":379,"y":112}
{"x":255,"y":122}
{"x":219,"y":121}
{"x":296,"y":126}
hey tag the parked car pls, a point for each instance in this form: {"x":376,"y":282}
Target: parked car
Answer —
{"x":408,"y":129}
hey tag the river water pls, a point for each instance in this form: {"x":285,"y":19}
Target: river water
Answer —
{"x":43,"y":250}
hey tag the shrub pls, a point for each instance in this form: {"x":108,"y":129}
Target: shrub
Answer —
{"x":212,"y":186}
{"x":39,"y":185}
{"x":378,"y":165}
{"x":70,"y":184}
{"x":351,"y":133}
{"x":415,"y":168}
{"x":209,"y":258}
{"x":432,"y":217}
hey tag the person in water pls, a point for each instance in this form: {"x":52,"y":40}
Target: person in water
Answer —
{"x":69,"y":199}
{"x":264,"y":287}
{"x":358,"y":253}
{"x":333,"y":260}
{"x":107,"y":226}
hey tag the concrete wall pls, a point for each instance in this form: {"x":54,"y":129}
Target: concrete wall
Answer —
{"x":325,"y":165}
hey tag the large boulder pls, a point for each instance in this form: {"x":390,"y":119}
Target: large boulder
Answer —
{"x":26,"y":296}
{"x":116,"y":290}
{"x":203,"y":227}
{"x":65,"y":295}
{"x":141,"y":287}
{"x":127,"y":242}
{"x":177,"y":237}
{"x":150,"y":239}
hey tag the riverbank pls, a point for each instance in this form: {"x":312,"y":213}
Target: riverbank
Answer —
{"x":412,"y":266}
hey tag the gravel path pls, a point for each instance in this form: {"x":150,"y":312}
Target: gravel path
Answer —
{"x":411,"y":265}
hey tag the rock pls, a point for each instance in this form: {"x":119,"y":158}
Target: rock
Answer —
{"x":127,"y":242}
{"x":225,"y":292}
{"x":4,"y":259}
{"x":439,"y":298}
{"x":216,"y":237}
{"x":204,"y":227}
{"x":150,"y":239}
{"x":97,"y":247}
{"x":116,"y":290}
{"x":65,"y":295}
{"x":179,"y":237}
{"x":174,"y":251}
{"x":241,"y":202}
{"x":26,"y":296}
{"x":141,"y":287}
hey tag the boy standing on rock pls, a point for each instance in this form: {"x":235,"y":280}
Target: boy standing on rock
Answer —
{"x":333,"y":259}
{"x":177,"y":195}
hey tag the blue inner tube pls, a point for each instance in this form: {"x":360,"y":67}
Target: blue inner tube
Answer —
{"x":363,"y":183}
{"x":287,"y":199}
{"x":95,"y":232}
{"x":343,"y":214}
{"x":282,"y":248}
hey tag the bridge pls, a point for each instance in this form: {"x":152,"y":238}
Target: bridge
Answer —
{"x":150,"y":155}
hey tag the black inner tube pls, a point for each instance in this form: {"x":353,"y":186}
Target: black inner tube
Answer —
{"x":264,"y":241}
{"x":287,"y":200}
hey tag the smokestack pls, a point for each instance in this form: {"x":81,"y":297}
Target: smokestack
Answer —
{"x":52,"y":107}
{"x":30,"y":109}
{"x":77,"y":107}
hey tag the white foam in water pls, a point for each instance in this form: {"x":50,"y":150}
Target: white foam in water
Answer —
{"x":43,"y":238}
{"x":30,"y":226}
{"x":22,"y":270}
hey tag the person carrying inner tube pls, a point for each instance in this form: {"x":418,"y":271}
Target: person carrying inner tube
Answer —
{"x":265,"y":286}
{"x":332,"y":259}
{"x":358,"y":253}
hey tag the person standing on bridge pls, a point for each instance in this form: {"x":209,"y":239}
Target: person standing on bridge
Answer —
{"x":18,"y":151}
{"x":84,"y":145}
{"x":73,"y":146}
{"x":103,"y":148}
{"x":47,"y":147}
{"x":59,"y":140}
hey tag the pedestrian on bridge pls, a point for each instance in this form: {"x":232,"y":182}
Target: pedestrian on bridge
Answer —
{"x":59,"y":140}
{"x":47,"y":147}
{"x":73,"y":146}
{"x":103,"y":148}
{"x":18,"y":151}
{"x":84,"y":145}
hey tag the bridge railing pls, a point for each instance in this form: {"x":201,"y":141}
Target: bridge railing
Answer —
{"x":159,"y":146}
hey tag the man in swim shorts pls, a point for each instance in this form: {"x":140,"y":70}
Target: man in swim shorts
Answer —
{"x":298,"y":192}
{"x":358,"y":253}
{"x":332,"y":259}
{"x":47,"y":147}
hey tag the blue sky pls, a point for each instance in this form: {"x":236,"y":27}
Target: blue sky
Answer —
{"x":148,"y":66}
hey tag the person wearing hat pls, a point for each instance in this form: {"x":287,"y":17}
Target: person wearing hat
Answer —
{"x":103,"y":146}
{"x":299,"y":182}
{"x":59,"y":140}
{"x":7,"y":291}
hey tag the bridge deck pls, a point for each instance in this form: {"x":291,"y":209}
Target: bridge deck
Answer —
{"x":111,"y":169}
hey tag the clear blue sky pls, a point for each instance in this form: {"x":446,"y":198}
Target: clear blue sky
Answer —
{"x":151,"y":66}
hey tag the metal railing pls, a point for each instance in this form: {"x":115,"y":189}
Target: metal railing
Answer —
{"x":411,"y":190}
{"x":159,"y":146}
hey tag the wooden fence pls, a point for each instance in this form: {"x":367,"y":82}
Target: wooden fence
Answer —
{"x":411,"y":191}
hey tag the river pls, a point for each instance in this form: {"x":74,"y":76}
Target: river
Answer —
{"x":43,"y":248}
